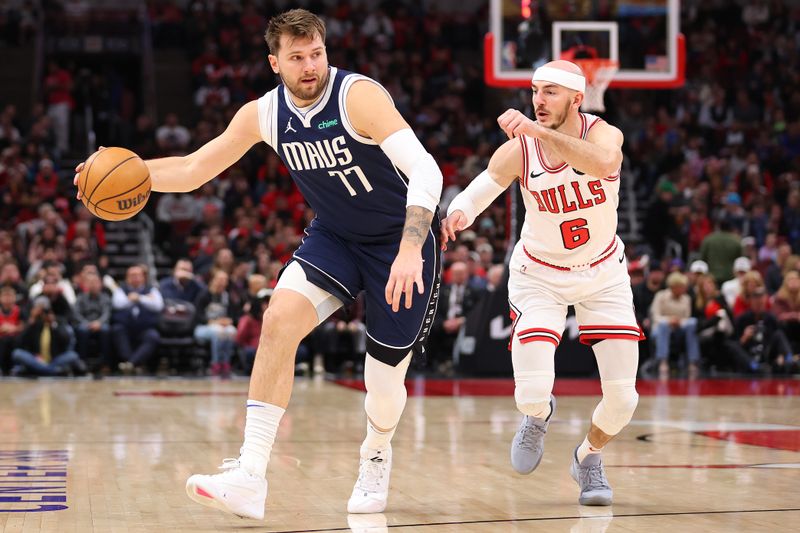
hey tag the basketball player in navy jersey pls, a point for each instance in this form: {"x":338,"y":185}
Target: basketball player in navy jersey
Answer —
{"x":375,"y":191}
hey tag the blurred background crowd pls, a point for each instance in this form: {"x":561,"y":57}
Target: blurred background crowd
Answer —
{"x":714,"y":252}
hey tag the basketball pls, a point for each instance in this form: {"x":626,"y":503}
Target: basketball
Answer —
{"x":114,"y":184}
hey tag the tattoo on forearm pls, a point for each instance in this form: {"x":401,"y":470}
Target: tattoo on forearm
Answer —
{"x":418,"y":222}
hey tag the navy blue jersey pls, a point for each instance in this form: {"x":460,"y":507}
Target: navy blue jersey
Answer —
{"x":354,"y":189}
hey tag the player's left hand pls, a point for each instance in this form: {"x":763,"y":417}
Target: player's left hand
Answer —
{"x":78,"y":170}
{"x":514,"y":124}
{"x":406,"y":271}
{"x":454,"y":222}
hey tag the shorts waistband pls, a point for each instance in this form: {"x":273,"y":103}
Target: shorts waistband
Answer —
{"x":608,"y":252}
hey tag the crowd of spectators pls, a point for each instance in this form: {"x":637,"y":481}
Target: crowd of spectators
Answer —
{"x":718,"y":163}
{"x":714,"y":275}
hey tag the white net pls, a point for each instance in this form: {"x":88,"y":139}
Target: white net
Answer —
{"x":599,"y":73}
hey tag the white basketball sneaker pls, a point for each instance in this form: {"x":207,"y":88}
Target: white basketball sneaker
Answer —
{"x":371,"y":490}
{"x":234,"y":491}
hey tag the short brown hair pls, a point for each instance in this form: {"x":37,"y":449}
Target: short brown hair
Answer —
{"x":295,"y":23}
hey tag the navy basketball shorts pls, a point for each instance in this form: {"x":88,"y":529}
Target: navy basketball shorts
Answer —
{"x":345,"y":268}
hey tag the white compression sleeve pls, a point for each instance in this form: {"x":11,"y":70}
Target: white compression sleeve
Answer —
{"x":424,"y":177}
{"x":478,"y":195}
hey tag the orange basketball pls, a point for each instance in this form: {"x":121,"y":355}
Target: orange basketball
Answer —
{"x":114,"y":184}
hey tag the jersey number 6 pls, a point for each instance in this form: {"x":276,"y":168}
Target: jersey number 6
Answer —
{"x":342,"y":175}
{"x":574,"y":233}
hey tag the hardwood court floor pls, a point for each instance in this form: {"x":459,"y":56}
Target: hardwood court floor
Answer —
{"x":690,"y":462}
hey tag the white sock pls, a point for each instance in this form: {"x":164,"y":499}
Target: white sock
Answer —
{"x":377,"y":439}
{"x":260,"y":428}
{"x":585,"y":449}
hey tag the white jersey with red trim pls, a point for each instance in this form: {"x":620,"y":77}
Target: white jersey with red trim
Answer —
{"x":571,"y":217}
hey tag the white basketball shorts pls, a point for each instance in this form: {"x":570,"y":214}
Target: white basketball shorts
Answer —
{"x":539,"y":295}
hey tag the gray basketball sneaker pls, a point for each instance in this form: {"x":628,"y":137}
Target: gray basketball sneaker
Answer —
{"x":591,"y":478}
{"x":528,"y":444}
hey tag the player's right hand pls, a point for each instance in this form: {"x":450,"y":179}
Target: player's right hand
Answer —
{"x":454,"y":222}
{"x":78,"y":173}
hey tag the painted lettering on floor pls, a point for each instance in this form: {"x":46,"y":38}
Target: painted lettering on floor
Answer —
{"x":33,"y":481}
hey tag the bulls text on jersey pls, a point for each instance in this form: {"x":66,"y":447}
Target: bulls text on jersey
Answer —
{"x":570,"y":197}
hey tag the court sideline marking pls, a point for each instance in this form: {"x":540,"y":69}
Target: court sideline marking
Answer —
{"x":543,"y":519}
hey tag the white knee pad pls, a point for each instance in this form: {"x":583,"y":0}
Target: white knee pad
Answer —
{"x":617,"y":406}
{"x":386,"y":391}
{"x":532,"y":391}
{"x":534,"y":372}
{"x":294,"y":278}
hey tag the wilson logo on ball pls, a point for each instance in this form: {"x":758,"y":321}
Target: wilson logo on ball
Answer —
{"x":114,"y":184}
{"x":128,"y":203}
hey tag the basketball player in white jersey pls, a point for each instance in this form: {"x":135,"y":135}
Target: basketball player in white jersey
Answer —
{"x":568,"y":167}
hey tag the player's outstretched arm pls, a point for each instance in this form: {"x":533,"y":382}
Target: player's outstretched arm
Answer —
{"x":373,"y":115}
{"x":190,"y":172}
{"x":600,"y":155}
{"x":504,"y":167}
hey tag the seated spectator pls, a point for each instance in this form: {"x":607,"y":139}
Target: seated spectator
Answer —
{"x":759,"y":344}
{"x":92,"y":315}
{"x":52,"y":288}
{"x":697,"y":270}
{"x":342,"y":339}
{"x":224,"y":261}
{"x":786,"y":307}
{"x":86,"y":225}
{"x":11,"y":277}
{"x":46,"y":180}
{"x":456,"y":300}
{"x":714,"y":320}
{"x":175,"y":216}
{"x":731,"y":288}
{"x":248,"y":332}
{"x":768,"y":253}
{"x":10,"y":325}
{"x":773,"y":276}
{"x":477,"y":278}
{"x":215,"y":323}
{"x":671,"y":314}
{"x":750,"y":282}
{"x":255,"y":284}
{"x":53,"y":270}
{"x":136,"y":310}
{"x":238,"y":285}
{"x":494,"y":277}
{"x":182,"y":285}
{"x":44,"y":348}
{"x":78,"y":254}
{"x":172,"y":137}
{"x":644,"y":293}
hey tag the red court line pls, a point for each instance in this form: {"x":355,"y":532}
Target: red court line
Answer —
{"x":704,"y":467}
{"x":784,"y":439}
{"x":177,"y":394}
{"x":591,"y":387}
{"x":700,"y":467}
{"x":563,"y":387}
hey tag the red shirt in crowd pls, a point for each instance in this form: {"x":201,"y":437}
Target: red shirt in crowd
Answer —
{"x":58,"y":86}
{"x":10,"y":317}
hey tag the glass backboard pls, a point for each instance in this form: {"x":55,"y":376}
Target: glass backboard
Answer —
{"x":642,"y":35}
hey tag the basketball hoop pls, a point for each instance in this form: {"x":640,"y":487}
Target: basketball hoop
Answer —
{"x":599,"y":73}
